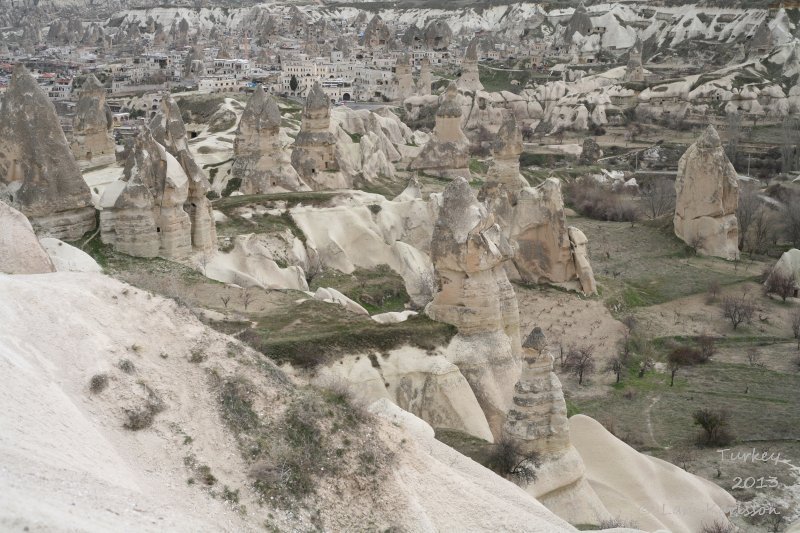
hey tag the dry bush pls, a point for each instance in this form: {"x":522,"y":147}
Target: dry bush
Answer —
{"x":618,"y":522}
{"x":717,"y":526}
{"x":593,"y":200}
{"x":580,"y":361}
{"x":509,"y":460}
{"x":780,"y":284}
{"x":738,"y":309}
{"x":98,"y":383}
{"x":714,"y":424}
{"x":713,"y":291}
{"x":659,"y":197}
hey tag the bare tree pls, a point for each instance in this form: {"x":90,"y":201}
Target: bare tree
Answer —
{"x":707,"y":346}
{"x":715,"y":427}
{"x":749,"y":204}
{"x":713,"y":291}
{"x":754,"y":357}
{"x":796,"y":326}
{"x":225,"y":300}
{"x":647,"y":364}
{"x":780,"y":284}
{"x":616,"y":366}
{"x":580,"y":361}
{"x":734,"y":133}
{"x":508,"y":459}
{"x":791,"y":222}
{"x":790,"y":155}
{"x":679,"y":358}
{"x":738,"y":310}
{"x":659,"y":197}
{"x":247,"y":297}
{"x":764,"y":231}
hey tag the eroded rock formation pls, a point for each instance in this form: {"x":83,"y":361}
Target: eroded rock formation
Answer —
{"x":537,"y":422}
{"x":143,"y":213}
{"x":470,"y":79}
{"x":169,"y":130}
{"x":314,"y":154}
{"x":38,"y":173}
{"x":707,"y":191}
{"x":634,"y":71}
{"x":261,"y":160}
{"x":590,"y":152}
{"x":447,"y":152}
{"x":544,"y":248}
{"x":403,"y":80}
{"x":425,"y":78}
{"x":20,"y":251}
{"x":92,"y":143}
{"x":468,"y":250}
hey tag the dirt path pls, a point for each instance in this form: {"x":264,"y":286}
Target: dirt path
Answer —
{"x":650,"y":421}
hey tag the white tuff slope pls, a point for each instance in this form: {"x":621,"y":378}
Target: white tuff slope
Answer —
{"x":68,"y":463}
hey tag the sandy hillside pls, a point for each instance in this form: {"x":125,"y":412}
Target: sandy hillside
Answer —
{"x":70,"y":464}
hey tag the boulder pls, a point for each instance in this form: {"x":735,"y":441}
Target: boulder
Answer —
{"x":67,"y":258}
{"x":38,"y":173}
{"x":20,"y":250}
{"x":707,"y":192}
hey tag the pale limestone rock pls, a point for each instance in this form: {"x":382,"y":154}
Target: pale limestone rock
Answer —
{"x":468,"y":251}
{"x":707,"y":191}
{"x":38,"y":173}
{"x":429,"y":386}
{"x":470,"y":78}
{"x":331,"y":295}
{"x":506,"y":150}
{"x":92,"y":143}
{"x":142,"y":214}
{"x":447,"y":152}
{"x":314,"y":154}
{"x":169,"y":130}
{"x":634,"y":71}
{"x":425,"y":78}
{"x":67,"y":258}
{"x":537,"y":422}
{"x":403,"y":83}
{"x":20,"y":250}
{"x":261,"y":160}
{"x":590,"y":153}
{"x":377,"y":34}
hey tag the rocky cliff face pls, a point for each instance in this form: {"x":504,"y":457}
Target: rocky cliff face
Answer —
{"x":38,"y":173}
{"x":260,"y":158}
{"x":707,"y":191}
{"x":169,"y":130}
{"x":92,"y":143}
{"x":468,"y":251}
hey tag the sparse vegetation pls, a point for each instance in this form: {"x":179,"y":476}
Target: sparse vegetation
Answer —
{"x":98,"y":383}
{"x":714,"y":424}
{"x":508,"y":459}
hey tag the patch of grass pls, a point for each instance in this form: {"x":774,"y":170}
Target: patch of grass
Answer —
{"x":235,"y":397}
{"x":231,"y":187}
{"x":476,"y":166}
{"x":311,"y":334}
{"x":379,"y":290}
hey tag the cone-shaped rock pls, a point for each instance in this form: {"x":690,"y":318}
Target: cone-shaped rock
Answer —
{"x":38,"y":173}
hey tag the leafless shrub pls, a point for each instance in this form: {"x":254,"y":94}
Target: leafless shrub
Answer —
{"x":580,"y":361}
{"x":142,"y":417}
{"x":247,"y":297}
{"x":714,"y":426}
{"x":717,"y":526}
{"x":225,"y":299}
{"x":98,"y":383}
{"x":738,"y":309}
{"x":707,"y":346}
{"x":780,"y":284}
{"x":754,"y":357}
{"x":508,"y":459}
{"x":659,"y":197}
{"x":713,"y":291}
